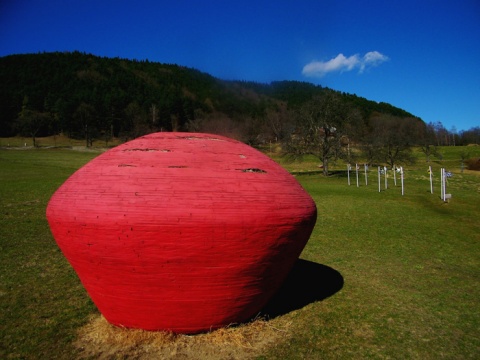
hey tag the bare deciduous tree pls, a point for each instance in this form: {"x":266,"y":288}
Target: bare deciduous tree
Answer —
{"x":318,"y":130}
{"x":391,"y":139}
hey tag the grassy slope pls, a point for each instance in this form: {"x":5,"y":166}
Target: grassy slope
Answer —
{"x":410,"y":266}
{"x":411,"y":273}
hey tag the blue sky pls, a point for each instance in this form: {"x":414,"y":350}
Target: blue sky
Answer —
{"x":420,"y":55}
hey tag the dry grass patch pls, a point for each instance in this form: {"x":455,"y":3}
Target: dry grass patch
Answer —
{"x":101,"y":340}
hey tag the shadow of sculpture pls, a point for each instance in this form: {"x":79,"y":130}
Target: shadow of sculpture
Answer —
{"x":308,"y":282}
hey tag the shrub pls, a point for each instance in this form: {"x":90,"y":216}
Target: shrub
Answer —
{"x":473,"y":164}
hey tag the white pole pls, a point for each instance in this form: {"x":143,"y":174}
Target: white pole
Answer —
{"x":441,"y":184}
{"x":386,"y":181}
{"x":348,"y":172}
{"x":379,"y":180}
{"x":356,"y":170}
{"x":366,"y":176}
{"x":444,"y":185}
{"x":431,"y":179}
{"x":401,"y":176}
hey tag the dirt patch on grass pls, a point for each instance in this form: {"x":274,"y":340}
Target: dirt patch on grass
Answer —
{"x":101,"y":340}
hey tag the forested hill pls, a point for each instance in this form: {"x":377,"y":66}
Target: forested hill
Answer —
{"x":73,"y":92}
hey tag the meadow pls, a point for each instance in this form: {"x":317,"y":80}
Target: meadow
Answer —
{"x":383,"y":276}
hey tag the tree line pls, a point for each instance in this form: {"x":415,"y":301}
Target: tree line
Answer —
{"x":91,"y":97}
{"x":74,"y":92}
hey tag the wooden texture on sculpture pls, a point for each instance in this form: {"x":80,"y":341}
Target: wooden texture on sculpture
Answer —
{"x":183,"y":232}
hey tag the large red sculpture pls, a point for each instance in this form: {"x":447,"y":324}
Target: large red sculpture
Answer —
{"x":182,"y":232}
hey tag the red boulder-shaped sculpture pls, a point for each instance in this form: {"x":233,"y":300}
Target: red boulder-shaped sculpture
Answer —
{"x":182,"y":232}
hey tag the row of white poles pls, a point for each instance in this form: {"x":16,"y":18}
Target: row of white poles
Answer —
{"x":357,"y":168}
{"x":383,"y":170}
{"x":443,"y":183}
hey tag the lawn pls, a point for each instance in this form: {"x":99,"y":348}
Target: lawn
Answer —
{"x":383,"y":275}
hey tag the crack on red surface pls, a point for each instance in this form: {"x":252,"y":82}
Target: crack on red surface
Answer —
{"x":147,"y":149}
{"x":126,"y":165}
{"x":252,"y":170}
{"x":199,"y":138}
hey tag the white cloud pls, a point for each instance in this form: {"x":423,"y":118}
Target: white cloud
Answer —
{"x":372,"y":59}
{"x":341,"y":63}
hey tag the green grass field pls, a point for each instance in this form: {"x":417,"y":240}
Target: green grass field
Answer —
{"x":388,"y":276}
